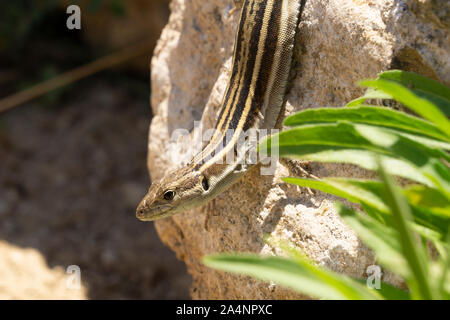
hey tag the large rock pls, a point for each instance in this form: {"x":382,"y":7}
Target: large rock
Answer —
{"x":339,"y":43}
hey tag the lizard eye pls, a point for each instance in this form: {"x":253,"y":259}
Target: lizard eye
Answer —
{"x":205,"y":184}
{"x":169,"y":195}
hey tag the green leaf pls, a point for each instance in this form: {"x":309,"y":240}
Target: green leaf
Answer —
{"x":444,"y":283}
{"x":337,"y":280}
{"x":421,"y":86}
{"x":431,"y":219}
{"x":416,"y":81}
{"x":380,"y":116}
{"x":418,"y":281}
{"x":370,"y":94}
{"x":421,"y":106}
{"x":280,"y":270}
{"x":382,"y":239}
{"x":367,"y":193}
{"x":431,"y":143}
{"x":390,"y":292}
{"x":361,"y":158}
{"x":432,"y":199}
{"x":356,"y":143}
{"x":442,"y":104}
{"x":399,"y":145}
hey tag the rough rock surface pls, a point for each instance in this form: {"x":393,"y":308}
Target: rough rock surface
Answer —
{"x":339,"y":43}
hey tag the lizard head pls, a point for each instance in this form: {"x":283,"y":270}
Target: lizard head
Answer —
{"x":176,"y":192}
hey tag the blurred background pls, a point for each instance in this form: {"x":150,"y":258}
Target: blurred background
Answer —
{"x":73,"y":161}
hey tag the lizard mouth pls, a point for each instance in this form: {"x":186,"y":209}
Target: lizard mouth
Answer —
{"x":149,"y":214}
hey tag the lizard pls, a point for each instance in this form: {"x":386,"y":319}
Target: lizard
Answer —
{"x":254,"y":99}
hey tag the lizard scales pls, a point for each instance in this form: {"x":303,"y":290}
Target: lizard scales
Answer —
{"x":254,"y":98}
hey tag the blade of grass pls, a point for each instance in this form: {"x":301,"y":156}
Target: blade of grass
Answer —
{"x":360,"y":158}
{"x":432,"y":199}
{"x":369,"y":94}
{"x":413,"y":252}
{"x":283,"y":271}
{"x":369,"y":115}
{"x":441,"y":103}
{"x":421,"y":106}
{"x":382,"y":239}
{"x":445,"y":258}
{"x":430,"y":224}
{"x":357,"y":191}
{"x":356,"y":143}
{"x":350,"y":285}
{"x":416,"y":81}
{"x":431,"y":143}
